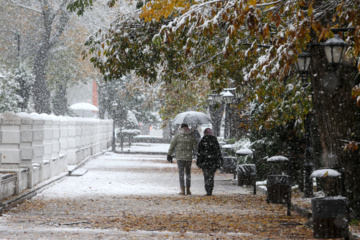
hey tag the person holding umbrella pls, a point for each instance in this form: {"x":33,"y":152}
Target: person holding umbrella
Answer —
{"x":196,"y":133}
{"x":208,"y":158}
{"x":184,"y":143}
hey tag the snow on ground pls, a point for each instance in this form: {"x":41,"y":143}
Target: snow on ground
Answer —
{"x":116,"y":174}
{"x":125,"y":191}
{"x":145,"y":147}
{"x":138,"y":174}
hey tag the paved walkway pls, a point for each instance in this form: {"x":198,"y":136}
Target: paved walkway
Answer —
{"x":135,"y":196}
{"x":75,"y":207}
{"x":138,"y":174}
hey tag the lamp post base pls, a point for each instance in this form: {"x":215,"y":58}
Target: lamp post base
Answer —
{"x":113,"y":138}
{"x":308,"y":188}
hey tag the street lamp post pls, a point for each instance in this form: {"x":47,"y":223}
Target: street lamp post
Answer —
{"x":210,"y":100}
{"x":113,"y":108}
{"x":334,"y":50}
{"x":302,"y":65}
{"x":215,"y":111}
{"x":121,"y":121}
{"x":228,"y":98}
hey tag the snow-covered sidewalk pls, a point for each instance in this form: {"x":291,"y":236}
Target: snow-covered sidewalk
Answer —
{"x":107,"y":186}
{"x":124,"y":196}
{"x":161,"y":148}
{"x":140,"y":174}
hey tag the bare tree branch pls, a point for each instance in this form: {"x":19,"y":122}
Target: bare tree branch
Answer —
{"x":26,"y":7}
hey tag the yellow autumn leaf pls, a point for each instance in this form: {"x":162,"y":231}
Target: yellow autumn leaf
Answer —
{"x":155,"y":10}
{"x":310,"y":9}
{"x":252,"y":2}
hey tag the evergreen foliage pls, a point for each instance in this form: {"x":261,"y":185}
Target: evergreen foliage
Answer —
{"x":25,"y":81}
{"x":9,"y":89}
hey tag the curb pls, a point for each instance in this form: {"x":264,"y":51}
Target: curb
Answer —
{"x":29,"y":193}
{"x":82,"y":163}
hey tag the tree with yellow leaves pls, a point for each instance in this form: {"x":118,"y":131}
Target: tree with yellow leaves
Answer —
{"x":256,"y":44}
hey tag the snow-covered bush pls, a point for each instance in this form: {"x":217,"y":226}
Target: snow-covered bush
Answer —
{"x":9,"y":88}
{"x":128,"y":134}
{"x":243,"y":143}
{"x":131,"y":132}
{"x":131,"y":121}
{"x":26,"y":81}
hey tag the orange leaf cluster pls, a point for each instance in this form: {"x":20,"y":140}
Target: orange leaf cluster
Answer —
{"x":163,"y":9}
{"x":352,"y":146}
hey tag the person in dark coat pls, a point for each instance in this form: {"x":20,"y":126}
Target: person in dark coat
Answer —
{"x":208,"y":158}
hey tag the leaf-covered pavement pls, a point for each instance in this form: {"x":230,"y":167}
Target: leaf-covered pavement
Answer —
{"x":69,"y":210}
{"x":243,"y":215}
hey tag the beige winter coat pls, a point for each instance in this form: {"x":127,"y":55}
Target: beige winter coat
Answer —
{"x":184,"y":143}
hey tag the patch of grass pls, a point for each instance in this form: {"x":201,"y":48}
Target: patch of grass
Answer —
{"x":355,"y":222}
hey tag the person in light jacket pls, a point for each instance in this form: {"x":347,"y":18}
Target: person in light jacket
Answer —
{"x":208,"y":159}
{"x":184,"y":143}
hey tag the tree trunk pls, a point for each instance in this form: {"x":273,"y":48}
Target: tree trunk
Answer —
{"x":41,"y":91}
{"x":54,"y":22}
{"x":60,"y":101}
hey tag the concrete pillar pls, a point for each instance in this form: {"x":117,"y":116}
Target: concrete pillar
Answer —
{"x":85,"y":138}
{"x":78,"y":147}
{"x":63,"y":139}
{"x":48,"y":146}
{"x":55,"y":138}
{"x":38,"y":148}
{"x":48,"y":136}
{"x":71,"y":141}
{"x":26,"y":146}
{"x":10,"y":141}
{"x":56,"y":165}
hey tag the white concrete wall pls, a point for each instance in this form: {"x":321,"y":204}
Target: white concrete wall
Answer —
{"x":44,"y":145}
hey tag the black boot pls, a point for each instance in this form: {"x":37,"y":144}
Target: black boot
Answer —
{"x":208,"y":191}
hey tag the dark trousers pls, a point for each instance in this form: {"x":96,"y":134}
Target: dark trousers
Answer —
{"x":209,"y":175}
{"x":184,"y":166}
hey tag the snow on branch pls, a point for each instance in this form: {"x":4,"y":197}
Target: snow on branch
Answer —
{"x":268,"y":4}
{"x":182,"y":19}
{"x":23,"y":6}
